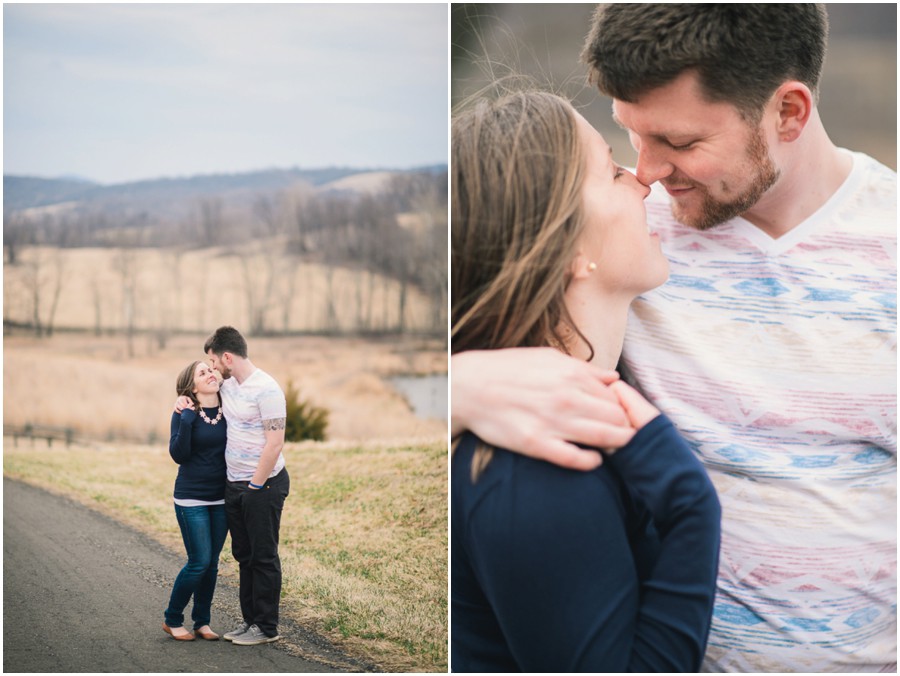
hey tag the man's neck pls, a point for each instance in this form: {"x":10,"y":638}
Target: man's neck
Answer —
{"x":811,"y":172}
{"x":242,"y":369}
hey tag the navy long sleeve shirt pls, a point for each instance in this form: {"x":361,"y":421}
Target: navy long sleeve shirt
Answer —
{"x":199,"y":449}
{"x":612,"y":570}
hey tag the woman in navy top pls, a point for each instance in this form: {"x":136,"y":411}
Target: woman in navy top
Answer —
{"x":197,"y":444}
{"x":553,"y":569}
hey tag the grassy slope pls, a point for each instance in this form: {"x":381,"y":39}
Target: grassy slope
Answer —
{"x":364,"y":533}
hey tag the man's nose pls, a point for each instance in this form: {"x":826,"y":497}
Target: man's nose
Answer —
{"x":652,"y":165}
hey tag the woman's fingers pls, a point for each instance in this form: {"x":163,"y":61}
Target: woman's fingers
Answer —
{"x":639,"y":410}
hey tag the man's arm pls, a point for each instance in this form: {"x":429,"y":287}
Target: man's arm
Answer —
{"x":538,"y":402}
{"x":182,"y":403}
{"x":274,"y":431}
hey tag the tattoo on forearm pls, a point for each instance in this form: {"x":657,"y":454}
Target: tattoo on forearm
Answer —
{"x":273,"y":424}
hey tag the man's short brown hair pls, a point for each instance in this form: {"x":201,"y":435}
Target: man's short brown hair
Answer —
{"x":226,"y":339}
{"x":741,"y":52}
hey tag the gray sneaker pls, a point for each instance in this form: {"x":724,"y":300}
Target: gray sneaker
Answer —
{"x":253,"y":636}
{"x":237,"y":632}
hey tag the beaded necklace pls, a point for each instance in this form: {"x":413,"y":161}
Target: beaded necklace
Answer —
{"x":206,"y":419}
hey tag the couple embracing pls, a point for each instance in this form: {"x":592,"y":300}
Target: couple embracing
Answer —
{"x":751,"y":526}
{"x":227,"y":436}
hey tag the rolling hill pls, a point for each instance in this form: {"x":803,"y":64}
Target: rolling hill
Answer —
{"x":167,"y":198}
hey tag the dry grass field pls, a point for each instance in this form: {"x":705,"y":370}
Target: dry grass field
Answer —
{"x":89,"y":383}
{"x":363,"y":538}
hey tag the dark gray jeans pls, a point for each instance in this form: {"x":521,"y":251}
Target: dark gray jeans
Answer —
{"x":254,"y":518}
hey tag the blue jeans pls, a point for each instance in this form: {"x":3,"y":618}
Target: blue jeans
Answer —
{"x":203,"y":530}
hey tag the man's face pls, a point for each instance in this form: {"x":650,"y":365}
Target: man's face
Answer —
{"x":713,"y":164}
{"x":218,"y":363}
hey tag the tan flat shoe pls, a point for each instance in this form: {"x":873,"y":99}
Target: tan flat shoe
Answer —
{"x":206,"y":633}
{"x":177,"y":637}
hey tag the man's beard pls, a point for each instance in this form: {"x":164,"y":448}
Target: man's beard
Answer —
{"x":714,"y":212}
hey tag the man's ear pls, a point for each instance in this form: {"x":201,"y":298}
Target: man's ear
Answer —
{"x":793,"y":102}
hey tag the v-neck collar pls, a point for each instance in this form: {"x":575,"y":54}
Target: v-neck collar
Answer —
{"x":239,"y":384}
{"x":776,"y":246}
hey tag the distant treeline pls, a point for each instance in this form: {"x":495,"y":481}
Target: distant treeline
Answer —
{"x":395,"y":230}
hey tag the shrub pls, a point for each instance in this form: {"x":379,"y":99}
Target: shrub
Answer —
{"x":305,"y":420}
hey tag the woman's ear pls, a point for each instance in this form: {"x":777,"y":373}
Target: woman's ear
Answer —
{"x":793,"y":102}
{"x":582,"y":267}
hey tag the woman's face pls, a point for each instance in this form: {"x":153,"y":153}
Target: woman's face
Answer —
{"x":206,"y":380}
{"x":616,"y":237}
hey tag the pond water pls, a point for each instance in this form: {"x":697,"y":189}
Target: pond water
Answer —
{"x":427,"y":395}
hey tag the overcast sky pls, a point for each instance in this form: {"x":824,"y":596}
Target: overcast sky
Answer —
{"x":116,"y":93}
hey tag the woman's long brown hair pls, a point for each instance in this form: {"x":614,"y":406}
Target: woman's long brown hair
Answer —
{"x":517,"y":172}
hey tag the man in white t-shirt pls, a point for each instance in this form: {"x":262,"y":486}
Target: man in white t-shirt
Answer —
{"x":773,"y":345}
{"x":258,"y":483}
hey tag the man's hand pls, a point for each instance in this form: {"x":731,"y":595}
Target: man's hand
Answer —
{"x":539,"y":402}
{"x":274,"y":430}
{"x":182,"y":403}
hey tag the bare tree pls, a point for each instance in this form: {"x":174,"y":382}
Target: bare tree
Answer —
{"x":33,"y":281}
{"x":211,"y":220}
{"x":431,"y":273}
{"x":385,"y":260}
{"x":97,"y":298}
{"x":43,"y":275}
{"x":58,"y":270}
{"x":268,"y":214}
{"x":125,"y":264}
{"x":265,"y":261}
{"x":15,"y":233}
{"x":169,"y":306}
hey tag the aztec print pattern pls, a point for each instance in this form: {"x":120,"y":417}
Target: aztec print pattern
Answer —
{"x":246,"y":406}
{"x":776,"y":359}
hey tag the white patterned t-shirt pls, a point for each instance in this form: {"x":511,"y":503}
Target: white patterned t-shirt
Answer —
{"x":776,"y":359}
{"x":245,"y":406}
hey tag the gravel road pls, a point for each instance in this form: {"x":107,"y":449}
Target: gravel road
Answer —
{"x":83,"y":593}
